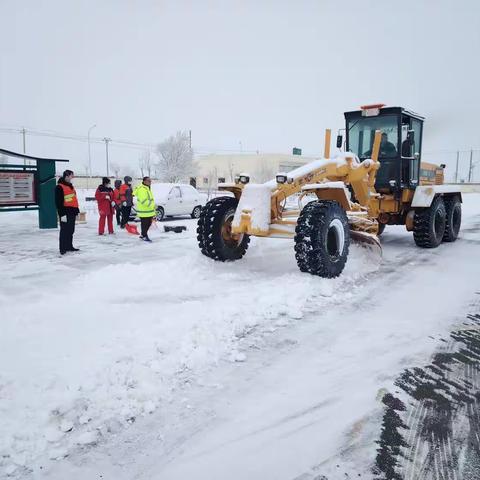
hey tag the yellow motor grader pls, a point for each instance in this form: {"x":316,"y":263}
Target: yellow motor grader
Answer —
{"x":373,"y":179}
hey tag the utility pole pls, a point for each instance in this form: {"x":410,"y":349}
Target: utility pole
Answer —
{"x":456,"y":169}
{"x":107,"y":140}
{"x":24,"y":132}
{"x":470,"y":170}
{"x":89,"y":154}
{"x":190,"y":139}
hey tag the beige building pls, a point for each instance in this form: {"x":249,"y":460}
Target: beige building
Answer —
{"x":213,"y":169}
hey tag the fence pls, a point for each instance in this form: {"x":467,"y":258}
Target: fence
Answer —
{"x":462,"y":166}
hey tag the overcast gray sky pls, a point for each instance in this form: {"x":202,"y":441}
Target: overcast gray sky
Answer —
{"x":269,"y":74}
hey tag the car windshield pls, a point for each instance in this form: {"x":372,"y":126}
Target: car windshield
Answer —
{"x":361,"y":133}
{"x":161,"y":189}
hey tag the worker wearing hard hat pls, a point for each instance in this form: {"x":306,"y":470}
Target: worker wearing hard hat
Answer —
{"x":145,"y":206}
{"x":126,"y":199}
{"x":118,"y":203}
{"x":66,"y":202}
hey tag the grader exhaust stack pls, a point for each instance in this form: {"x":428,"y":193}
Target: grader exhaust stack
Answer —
{"x":346,"y":206}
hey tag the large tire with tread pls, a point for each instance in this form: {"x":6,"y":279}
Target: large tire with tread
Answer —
{"x":322,"y":239}
{"x":453,"y":209}
{"x":214,"y":231}
{"x":429,"y":224}
{"x":381,"y":228}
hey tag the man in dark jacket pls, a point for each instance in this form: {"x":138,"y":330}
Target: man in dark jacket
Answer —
{"x":126,"y":197}
{"x":66,"y":202}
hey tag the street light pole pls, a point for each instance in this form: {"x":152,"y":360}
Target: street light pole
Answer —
{"x":89,"y":154}
{"x":107,"y":140}
{"x":24,"y":132}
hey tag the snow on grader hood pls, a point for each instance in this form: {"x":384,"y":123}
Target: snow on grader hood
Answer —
{"x":346,"y":207}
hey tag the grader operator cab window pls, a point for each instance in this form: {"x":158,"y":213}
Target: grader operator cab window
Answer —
{"x":361,"y":133}
{"x":400,"y":148}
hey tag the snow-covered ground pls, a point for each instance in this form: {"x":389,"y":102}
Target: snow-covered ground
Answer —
{"x":133,"y":360}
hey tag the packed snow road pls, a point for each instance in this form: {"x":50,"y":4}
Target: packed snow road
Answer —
{"x":129,"y":360}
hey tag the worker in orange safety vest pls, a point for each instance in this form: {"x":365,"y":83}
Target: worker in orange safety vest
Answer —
{"x":66,"y":201}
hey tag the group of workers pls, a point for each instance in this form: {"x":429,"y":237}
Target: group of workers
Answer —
{"x":118,"y":201}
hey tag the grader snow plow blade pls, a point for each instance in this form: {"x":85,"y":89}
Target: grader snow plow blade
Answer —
{"x":365,"y":239}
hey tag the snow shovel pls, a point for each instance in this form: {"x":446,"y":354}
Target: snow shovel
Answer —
{"x":131,"y":229}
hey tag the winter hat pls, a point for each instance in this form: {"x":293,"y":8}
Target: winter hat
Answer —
{"x":127,"y":179}
{"x":117,"y":183}
{"x":105,"y":181}
{"x":67,"y":173}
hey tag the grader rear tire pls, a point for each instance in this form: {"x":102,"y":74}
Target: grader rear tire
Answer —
{"x":429,"y":224}
{"x":214,"y":234}
{"x":453,"y":208}
{"x":322,"y":239}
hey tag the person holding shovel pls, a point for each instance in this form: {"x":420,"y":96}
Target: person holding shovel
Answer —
{"x":126,"y":199}
{"x":145,"y":206}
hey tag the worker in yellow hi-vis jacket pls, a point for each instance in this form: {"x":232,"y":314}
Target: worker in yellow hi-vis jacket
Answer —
{"x":145,"y":206}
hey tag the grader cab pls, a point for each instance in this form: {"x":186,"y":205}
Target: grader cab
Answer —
{"x":378,"y":179}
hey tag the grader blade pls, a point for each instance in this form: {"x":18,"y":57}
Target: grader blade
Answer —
{"x":365,"y":239}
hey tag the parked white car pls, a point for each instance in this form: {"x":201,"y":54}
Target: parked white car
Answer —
{"x":172,"y":199}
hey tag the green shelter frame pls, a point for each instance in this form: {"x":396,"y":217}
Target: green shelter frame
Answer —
{"x":44,"y":187}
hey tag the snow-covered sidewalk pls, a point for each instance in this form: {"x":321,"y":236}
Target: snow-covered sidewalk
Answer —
{"x":93,"y":340}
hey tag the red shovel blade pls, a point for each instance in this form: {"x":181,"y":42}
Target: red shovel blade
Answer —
{"x":131,"y":229}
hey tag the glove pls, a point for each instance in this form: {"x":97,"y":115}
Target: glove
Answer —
{"x":107,"y":197}
{"x":113,"y":204}
{"x":124,"y":204}
{"x":63,"y":219}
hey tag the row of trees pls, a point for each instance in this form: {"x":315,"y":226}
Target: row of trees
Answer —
{"x":171,"y":161}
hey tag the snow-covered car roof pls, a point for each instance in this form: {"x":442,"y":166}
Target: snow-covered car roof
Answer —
{"x":163,"y":189}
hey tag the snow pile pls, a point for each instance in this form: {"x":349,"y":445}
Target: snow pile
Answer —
{"x":255,"y":199}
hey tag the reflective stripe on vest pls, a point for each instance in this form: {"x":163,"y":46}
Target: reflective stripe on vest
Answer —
{"x":146,"y":205}
{"x":69,"y":196}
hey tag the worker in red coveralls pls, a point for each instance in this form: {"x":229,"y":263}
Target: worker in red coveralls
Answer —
{"x":106,"y":204}
{"x":118,"y":201}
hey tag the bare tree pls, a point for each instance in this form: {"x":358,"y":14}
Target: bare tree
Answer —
{"x":212,"y":181}
{"x":231,"y":171}
{"x":145,"y":163}
{"x":175,"y":158}
{"x":264,"y":172}
{"x":115,"y":169}
{"x":128,"y":172}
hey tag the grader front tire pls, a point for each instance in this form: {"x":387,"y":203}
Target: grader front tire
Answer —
{"x":214,"y":234}
{"x":322,"y":239}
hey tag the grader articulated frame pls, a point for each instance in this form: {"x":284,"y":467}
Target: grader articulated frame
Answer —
{"x":347,"y":207}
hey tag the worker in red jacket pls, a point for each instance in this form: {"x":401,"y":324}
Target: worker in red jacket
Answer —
{"x":118,"y":201}
{"x":106,"y":204}
{"x":126,"y":197}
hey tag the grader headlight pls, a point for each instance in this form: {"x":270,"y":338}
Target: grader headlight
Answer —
{"x":244,"y":178}
{"x":281,"y":178}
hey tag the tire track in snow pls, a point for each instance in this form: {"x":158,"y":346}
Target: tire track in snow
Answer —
{"x":442,"y":439}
